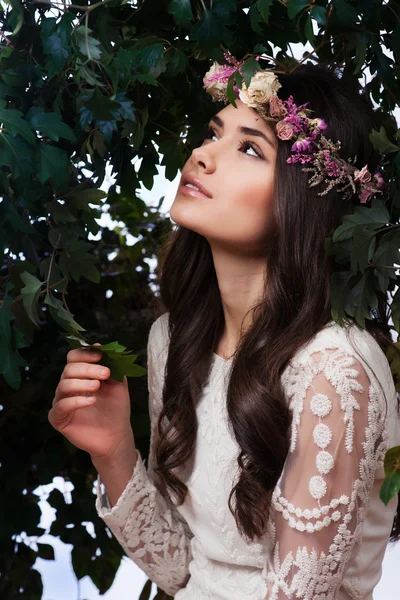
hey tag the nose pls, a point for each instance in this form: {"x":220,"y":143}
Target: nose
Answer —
{"x":204,"y":157}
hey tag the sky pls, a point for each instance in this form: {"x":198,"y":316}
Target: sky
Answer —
{"x":59,"y":580}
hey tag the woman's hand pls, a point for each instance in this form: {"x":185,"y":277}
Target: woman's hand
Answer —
{"x":90,"y":409}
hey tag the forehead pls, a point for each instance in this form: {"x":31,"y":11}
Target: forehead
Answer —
{"x":244,"y":115}
{"x":246,"y":119}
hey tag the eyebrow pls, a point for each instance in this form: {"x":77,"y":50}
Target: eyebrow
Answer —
{"x":242,"y":129}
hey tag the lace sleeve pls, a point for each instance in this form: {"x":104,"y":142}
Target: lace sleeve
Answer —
{"x":323,"y":494}
{"x":148,"y":526}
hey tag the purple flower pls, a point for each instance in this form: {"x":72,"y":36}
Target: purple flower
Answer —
{"x":379,"y":180}
{"x":302,"y":146}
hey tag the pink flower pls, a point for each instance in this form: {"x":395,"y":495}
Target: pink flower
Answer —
{"x":365,"y":195}
{"x":363,"y":176}
{"x":284,"y":130}
{"x":276,"y":107}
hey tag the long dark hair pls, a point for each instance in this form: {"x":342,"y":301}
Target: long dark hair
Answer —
{"x":295,"y":306}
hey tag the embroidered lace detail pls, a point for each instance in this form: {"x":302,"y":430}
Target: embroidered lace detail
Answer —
{"x":335,"y":390}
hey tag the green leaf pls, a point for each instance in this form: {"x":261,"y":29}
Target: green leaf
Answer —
{"x":101,"y":106}
{"x":153,"y":59}
{"x":14,"y":122}
{"x":295,"y":6}
{"x":182,"y":12}
{"x":15,"y":220}
{"x":381,"y":141}
{"x":390,"y":487}
{"x":30,"y":296}
{"x":126,"y":108}
{"x":263,"y":7}
{"x":364,"y":298}
{"x":11,"y":340}
{"x":49,"y":124}
{"x":385,"y":257}
{"x":395,"y":314}
{"x":79,"y":199}
{"x":16,"y":17}
{"x":249,"y":67}
{"x":309,"y":32}
{"x":61,"y":315}
{"x":52,"y":163}
{"x":87,"y":44}
{"x":344,"y":14}
{"x":45,"y":551}
{"x":60,"y":212}
{"x":82,"y":263}
{"x":391,"y":483}
{"x":56,"y":41}
{"x":362,"y":41}
{"x":319,"y":14}
{"x":18,"y":155}
{"x":115,"y":357}
{"x":364,"y":242}
{"x":209,"y":31}
{"x":372,"y":217}
{"x":341,"y":284}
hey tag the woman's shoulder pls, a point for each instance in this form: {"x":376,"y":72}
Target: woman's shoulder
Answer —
{"x":351,"y":340}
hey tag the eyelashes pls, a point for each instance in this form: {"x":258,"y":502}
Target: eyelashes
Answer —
{"x":243,"y":144}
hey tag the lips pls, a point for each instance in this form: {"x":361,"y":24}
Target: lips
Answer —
{"x":189,"y":178}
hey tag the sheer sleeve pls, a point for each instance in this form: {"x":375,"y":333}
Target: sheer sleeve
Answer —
{"x":148,"y":526}
{"x":323,"y":494}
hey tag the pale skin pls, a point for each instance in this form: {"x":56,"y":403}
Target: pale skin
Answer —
{"x":92,"y":410}
{"x":236,"y":219}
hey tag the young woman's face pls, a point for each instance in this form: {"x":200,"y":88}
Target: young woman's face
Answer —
{"x":237,"y":170}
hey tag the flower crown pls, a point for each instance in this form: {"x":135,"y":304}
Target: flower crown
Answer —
{"x":292,"y":123}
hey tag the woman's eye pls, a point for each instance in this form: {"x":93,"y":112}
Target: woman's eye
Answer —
{"x":244,"y":145}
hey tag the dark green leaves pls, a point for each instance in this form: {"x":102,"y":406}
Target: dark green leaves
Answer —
{"x":52,"y":163}
{"x":391,"y":484}
{"x":49,"y":124}
{"x":295,"y":6}
{"x":56,"y":41}
{"x":372,"y":217}
{"x":30,"y":296}
{"x":381,"y":141}
{"x":11,"y":341}
{"x":12,"y":120}
{"x":181,"y":11}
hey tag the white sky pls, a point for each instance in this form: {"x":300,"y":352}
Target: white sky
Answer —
{"x":59,"y":580}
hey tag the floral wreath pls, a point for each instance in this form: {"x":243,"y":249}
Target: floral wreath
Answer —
{"x":310,"y":146}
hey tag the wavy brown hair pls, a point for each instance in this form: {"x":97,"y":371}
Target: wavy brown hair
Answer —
{"x":296,"y":305}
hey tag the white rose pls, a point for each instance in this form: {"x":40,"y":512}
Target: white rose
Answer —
{"x":263,"y":85}
{"x":216,"y":88}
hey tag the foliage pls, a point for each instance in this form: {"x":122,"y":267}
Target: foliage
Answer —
{"x":118,"y":83}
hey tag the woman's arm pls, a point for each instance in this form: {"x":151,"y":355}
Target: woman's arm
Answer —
{"x":320,"y":503}
{"x":152,"y":532}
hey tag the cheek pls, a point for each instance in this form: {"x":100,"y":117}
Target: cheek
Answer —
{"x":240,"y":212}
{"x":246,"y":212}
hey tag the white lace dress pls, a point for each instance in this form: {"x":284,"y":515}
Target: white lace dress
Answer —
{"x":329,"y":529}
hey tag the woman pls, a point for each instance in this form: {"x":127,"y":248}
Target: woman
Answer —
{"x":270,"y":422}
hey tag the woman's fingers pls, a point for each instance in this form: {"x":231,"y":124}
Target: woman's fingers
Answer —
{"x":82,"y":355}
{"x":84,"y":370}
{"x":75,"y":387}
{"x":63,"y":409}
